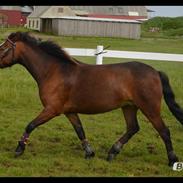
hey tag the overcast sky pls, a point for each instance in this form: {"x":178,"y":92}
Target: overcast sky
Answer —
{"x":169,"y":11}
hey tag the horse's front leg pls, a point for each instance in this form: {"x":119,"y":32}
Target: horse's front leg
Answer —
{"x":76,"y":123}
{"x":47,"y":114}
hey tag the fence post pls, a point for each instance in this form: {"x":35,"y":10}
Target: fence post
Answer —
{"x":99,"y":57}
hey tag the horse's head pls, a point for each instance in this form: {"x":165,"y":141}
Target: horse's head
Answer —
{"x":9,"y":53}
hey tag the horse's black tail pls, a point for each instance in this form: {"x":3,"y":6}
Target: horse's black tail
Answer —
{"x":169,"y":97}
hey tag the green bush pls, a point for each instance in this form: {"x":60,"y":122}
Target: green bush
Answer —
{"x":174,"y":32}
{"x":163,"y":23}
{"x":165,"y":27}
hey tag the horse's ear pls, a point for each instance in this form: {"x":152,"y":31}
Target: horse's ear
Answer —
{"x":14,"y":36}
{"x":17,"y":36}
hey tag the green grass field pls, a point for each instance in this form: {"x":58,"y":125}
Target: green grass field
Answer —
{"x":54,"y":148}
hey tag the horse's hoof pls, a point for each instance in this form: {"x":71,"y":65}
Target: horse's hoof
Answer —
{"x":19,"y":153}
{"x":89,"y":155}
{"x":172,"y":162}
{"x":172,"y":159}
{"x":110,"y":157}
{"x":19,"y":150}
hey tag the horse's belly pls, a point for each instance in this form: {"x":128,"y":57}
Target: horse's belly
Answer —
{"x":96,"y":106}
{"x":98,"y":95}
{"x":90,"y":109}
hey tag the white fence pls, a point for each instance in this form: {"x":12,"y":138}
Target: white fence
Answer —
{"x":100,"y":52}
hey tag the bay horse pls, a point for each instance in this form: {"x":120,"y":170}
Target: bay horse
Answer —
{"x":69,"y":87}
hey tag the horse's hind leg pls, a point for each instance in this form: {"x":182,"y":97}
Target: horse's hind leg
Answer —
{"x":164,"y":132}
{"x":151,"y":109}
{"x":130,"y":114}
{"x":76,"y":123}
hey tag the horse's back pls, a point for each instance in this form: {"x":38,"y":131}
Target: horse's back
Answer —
{"x":106,"y":87}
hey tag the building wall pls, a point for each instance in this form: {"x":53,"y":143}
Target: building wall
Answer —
{"x":18,"y":8}
{"x":55,"y":27}
{"x":14,"y":17}
{"x":72,"y":27}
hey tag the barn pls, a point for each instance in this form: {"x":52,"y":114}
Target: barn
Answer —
{"x":103,"y":27}
{"x":105,"y":21}
{"x":13,"y":15}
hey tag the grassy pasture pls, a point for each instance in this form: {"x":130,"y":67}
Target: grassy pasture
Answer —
{"x":55,"y":150}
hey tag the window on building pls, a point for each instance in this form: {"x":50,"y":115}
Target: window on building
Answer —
{"x":133,"y":13}
{"x":29,"y":23}
{"x":111,"y":10}
{"x":37,"y":24}
{"x":120,"y":10}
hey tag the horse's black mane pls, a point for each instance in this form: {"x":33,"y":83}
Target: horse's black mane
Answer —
{"x":49,"y":47}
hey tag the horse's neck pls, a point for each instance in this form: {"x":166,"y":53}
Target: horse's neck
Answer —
{"x":36,"y":63}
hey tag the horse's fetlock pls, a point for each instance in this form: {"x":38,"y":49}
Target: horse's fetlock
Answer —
{"x":115,"y":148}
